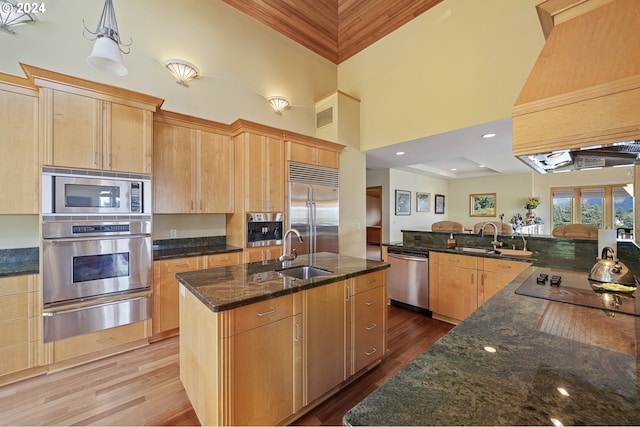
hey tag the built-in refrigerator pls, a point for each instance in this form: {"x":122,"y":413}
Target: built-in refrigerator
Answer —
{"x":313,"y":208}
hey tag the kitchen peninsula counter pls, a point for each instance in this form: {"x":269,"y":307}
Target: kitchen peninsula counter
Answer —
{"x":553,"y":362}
{"x":233,"y":286}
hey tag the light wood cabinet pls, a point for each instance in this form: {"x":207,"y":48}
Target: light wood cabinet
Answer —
{"x":166,"y":319}
{"x":81,"y":131}
{"x":20,"y":323}
{"x":495,"y":275}
{"x":459,"y":284}
{"x":19,"y":168}
{"x":325,"y":356}
{"x":263,"y":253}
{"x":264,"y":173}
{"x":193,"y":167}
{"x":368,"y":319}
{"x":242,"y":366}
{"x":453,"y":284}
{"x":312,"y":155}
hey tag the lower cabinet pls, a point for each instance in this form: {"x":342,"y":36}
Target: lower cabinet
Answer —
{"x":265,"y":253}
{"x":165,"y":287}
{"x":459,"y":284}
{"x":20,"y":323}
{"x":267,"y":363}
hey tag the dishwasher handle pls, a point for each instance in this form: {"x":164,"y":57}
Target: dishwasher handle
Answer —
{"x":409,"y":258}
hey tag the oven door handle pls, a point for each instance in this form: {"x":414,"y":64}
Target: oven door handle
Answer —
{"x":94,"y":303}
{"x":409,"y":258}
{"x":94,"y":238}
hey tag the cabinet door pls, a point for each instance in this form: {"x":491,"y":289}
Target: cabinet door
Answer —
{"x":173,"y":171}
{"x":165,"y":292}
{"x":76,"y":123}
{"x":128,"y":139}
{"x":19,"y":169}
{"x":215,"y":178}
{"x":302,"y":153}
{"x":264,"y":174}
{"x":326,"y":349}
{"x":263,"y":374}
{"x":262,"y":254}
{"x":456,"y":291}
{"x":496,"y":275}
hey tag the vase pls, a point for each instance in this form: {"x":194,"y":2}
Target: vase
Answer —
{"x":531,"y":216}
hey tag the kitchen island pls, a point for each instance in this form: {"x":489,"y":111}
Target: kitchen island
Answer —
{"x":260,"y":344}
{"x":518,"y":360}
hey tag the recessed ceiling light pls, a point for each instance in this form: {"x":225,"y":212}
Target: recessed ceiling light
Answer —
{"x":489,"y":349}
{"x":482,"y":166}
{"x":454,"y":169}
{"x":400,"y":153}
{"x":488,"y":135}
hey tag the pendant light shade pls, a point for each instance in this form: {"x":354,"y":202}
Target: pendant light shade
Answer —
{"x":106,"y":56}
{"x":108,"y":48}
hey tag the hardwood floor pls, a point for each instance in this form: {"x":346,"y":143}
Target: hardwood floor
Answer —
{"x":142,"y":387}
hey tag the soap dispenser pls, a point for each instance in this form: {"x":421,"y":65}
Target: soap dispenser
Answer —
{"x":451,"y":242}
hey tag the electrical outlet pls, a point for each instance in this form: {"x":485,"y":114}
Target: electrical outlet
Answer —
{"x":173,"y":233}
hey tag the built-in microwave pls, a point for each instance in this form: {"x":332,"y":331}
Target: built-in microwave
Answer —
{"x":88,"y":192}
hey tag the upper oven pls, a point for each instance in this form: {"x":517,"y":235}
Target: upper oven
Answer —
{"x":85,"y":192}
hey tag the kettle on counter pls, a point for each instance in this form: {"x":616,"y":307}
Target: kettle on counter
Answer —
{"x":611,"y":271}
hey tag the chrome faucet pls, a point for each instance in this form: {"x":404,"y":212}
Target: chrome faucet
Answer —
{"x":496,"y":244}
{"x":286,"y":258}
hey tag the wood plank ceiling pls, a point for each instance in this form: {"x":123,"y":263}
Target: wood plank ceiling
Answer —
{"x":334,"y":29}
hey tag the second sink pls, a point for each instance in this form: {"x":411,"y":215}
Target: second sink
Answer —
{"x":304,"y":272}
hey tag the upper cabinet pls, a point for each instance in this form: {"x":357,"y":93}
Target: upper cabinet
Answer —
{"x":312,"y":151}
{"x":93,"y":126}
{"x":193,"y":166}
{"x":19,"y":168}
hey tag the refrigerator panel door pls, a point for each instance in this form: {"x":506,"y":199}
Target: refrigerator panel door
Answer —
{"x":327,"y":217}
{"x":299,"y":216}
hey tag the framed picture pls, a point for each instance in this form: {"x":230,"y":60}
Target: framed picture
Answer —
{"x":423,"y":202}
{"x":439,"y":204}
{"x":482,"y":204}
{"x":403,"y":202}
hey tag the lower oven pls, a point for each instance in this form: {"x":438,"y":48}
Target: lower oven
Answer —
{"x":95,"y":275}
{"x":409,"y":278}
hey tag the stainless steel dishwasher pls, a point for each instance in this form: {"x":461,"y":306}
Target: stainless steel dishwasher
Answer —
{"x":409,"y":278}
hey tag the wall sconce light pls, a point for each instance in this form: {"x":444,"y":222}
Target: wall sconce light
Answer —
{"x":183,"y":71}
{"x":278,"y":103}
{"x":11,"y":16}
{"x":108,"y":49}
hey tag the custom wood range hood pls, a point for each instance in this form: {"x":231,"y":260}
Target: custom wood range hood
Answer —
{"x":580,"y":106}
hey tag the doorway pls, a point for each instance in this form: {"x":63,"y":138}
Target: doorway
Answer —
{"x":374,"y":223}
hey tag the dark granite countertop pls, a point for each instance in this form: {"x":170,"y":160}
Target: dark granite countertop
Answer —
{"x":17,"y":262}
{"x":189,"y":251}
{"x":226,"y":288}
{"x":553,"y":362}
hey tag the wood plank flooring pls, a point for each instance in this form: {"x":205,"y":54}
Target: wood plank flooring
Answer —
{"x":142,"y":387}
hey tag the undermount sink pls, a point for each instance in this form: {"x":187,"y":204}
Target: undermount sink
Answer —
{"x":304,"y":272}
{"x":476,"y":250}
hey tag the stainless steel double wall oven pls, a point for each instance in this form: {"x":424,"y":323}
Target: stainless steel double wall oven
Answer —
{"x":97,"y":251}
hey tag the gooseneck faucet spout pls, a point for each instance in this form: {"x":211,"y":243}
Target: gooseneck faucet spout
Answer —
{"x":496,"y":244}
{"x":286,"y":258}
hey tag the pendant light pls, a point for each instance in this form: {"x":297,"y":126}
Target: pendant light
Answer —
{"x":108,"y":48}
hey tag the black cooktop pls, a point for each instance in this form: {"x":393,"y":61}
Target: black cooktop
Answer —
{"x":575,"y":288}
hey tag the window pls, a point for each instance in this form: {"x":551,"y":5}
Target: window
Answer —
{"x":609,"y":206}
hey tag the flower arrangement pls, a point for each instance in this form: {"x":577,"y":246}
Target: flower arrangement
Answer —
{"x":532,"y":203}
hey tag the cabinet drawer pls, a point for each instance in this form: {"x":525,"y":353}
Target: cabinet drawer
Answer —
{"x":504,"y":266}
{"x":464,"y":261}
{"x":368,"y":325}
{"x":180,"y":264}
{"x":96,"y":341}
{"x":219,"y":260}
{"x":368,"y":350}
{"x":369,"y":281}
{"x":369,"y":302}
{"x":16,"y":358}
{"x":261,"y":313}
{"x":14,"y":306}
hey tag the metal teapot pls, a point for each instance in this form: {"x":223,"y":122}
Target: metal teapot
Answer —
{"x":609,"y":270}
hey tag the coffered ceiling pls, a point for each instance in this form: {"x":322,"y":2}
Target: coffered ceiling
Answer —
{"x":334,"y":29}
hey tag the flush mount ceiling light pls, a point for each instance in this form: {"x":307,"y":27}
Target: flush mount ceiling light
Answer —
{"x":278,"y":103}
{"x":108,"y":49}
{"x":12,"y":15}
{"x":488,"y":135}
{"x":183,"y":71}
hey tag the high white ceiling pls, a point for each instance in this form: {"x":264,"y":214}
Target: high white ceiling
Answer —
{"x":464,"y":150}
